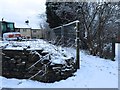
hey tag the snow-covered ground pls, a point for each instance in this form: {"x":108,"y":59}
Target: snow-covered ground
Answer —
{"x":94,"y":72}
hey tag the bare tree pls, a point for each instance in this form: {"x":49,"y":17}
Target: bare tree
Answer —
{"x":99,"y":21}
{"x":44,"y":26}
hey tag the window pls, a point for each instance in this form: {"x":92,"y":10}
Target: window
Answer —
{"x":10,"y":26}
{"x":17,"y":30}
{"x":24,"y":30}
{"x":4,"y":27}
{"x":34,"y":31}
{"x":34,"y":37}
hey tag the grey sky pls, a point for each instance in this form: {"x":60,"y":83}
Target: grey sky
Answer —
{"x":20,"y":10}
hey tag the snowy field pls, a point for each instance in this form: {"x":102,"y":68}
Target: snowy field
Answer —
{"x":94,"y":72}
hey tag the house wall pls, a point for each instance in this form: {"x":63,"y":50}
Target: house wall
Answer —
{"x":24,"y":31}
{"x":37,"y":33}
{"x":32,"y":33}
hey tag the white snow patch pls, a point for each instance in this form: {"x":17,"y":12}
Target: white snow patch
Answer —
{"x":94,"y":72}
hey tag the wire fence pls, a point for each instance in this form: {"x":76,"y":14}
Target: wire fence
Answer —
{"x":64,"y":35}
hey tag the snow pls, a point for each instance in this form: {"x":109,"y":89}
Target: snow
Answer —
{"x":117,"y":50}
{"x":57,"y":54}
{"x":94,"y":72}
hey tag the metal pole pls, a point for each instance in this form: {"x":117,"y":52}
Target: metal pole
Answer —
{"x":62,"y":34}
{"x":77,"y":46}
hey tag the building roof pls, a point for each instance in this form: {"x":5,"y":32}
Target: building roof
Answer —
{"x":33,"y":26}
{"x":5,"y":22}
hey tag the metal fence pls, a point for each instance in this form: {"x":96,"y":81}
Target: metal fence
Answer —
{"x":66,"y":35}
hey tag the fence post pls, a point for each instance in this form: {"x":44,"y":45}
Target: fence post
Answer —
{"x":77,"y":46}
{"x":113,"y":49}
{"x":62,"y":34}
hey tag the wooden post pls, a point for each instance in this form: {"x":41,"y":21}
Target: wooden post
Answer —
{"x":113,"y":49}
{"x":77,"y":46}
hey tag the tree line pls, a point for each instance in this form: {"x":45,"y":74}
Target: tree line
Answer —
{"x":99,"y":22}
